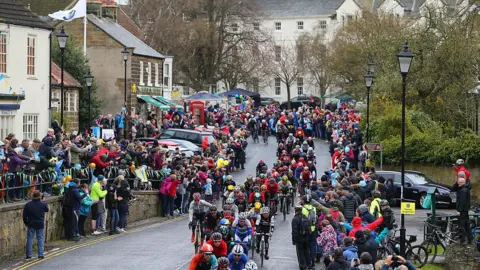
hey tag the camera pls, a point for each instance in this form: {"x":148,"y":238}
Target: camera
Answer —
{"x":396,"y":262}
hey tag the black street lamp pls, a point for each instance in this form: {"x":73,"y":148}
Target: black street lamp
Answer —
{"x":369,"y":77}
{"x":405,"y":58}
{"x":125,"y":54}
{"x":89,"y":80}
{"x":62,"y":43}
{"x":475,"y":92}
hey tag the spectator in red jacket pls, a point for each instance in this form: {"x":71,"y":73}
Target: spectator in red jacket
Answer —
{"x":459,"y":167}
{"x":357,"y":225}
{"x":101,"y":163}
{"x":171,"y":187}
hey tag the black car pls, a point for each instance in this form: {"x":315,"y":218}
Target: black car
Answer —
{"x":265,"y":101}
{"x":193,"y":136}
{"x":301,"y":100}
{"x":416,"y":187}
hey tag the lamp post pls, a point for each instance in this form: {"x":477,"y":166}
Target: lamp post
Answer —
{"x":62,"y":43}
{"x":405,"y":58}
{"x":475,"y":92}
{"x":369,"y":77}
{"x":125,"y":54}
{"x":89,"y":80}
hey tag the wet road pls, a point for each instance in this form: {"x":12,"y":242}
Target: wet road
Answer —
{"x":168,"y":246}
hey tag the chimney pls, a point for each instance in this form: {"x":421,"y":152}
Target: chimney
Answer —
{"x":94,"y":7}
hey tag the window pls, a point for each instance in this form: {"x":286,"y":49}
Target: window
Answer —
{"x":71,"y":103}
{"x":141,"y":73}
{"x":234,"y":27}
{"x":300,"y":25}
{"x":186,"y":90}
{"x":30,"y":126}
{"x":278,"y":86}
{"x":156,"y":74}
{"x":31,"y":55}
{"x":3,"y":53}
{"x":255,"y":82}
{"x":166,"y":70}
{"x":256,"y":26}
{"x":149,"y":74}
{"x":278,"y":53}
{"x":300,"y":86}
{"x":349,"y":18}
{"x":323,"y":24}
{"x":68,"y":108}
{"x":343,"y":20}
{"x":278,"y":26}
{"x":165,"y":81}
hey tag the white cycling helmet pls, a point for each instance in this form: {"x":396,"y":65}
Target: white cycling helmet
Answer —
{"x":237,"y":249}
{"x":460,"y":161}
{"x":229,"y":201}
{"x":236,"y":189}
{"x":251,"y":265}
{"x":265,"y":210}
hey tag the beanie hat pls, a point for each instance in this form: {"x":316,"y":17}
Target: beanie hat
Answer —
{"x":359,"y":234}
{"x":363,"y":208}
{"x":100,"y":177}
{"x":357,"y":222}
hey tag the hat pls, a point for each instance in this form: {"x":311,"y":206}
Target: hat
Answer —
{"x":298,"y":207}
{"x":356,"y":222}
{"x":363,"y":184}
{"x":11,"y":135}
{"x":36,"y":140}
{"x":100,"y":177}
{"x":359,"y":234}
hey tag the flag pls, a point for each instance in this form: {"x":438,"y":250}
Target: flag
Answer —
{"x":78,"y":11}
{"x":1,"y":77}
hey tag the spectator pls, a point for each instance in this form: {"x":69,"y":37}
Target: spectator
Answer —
{"x":111,"y":200}
{"x":301,"y":237}
{"x":337,"y":262}
{"x":71,"y":208}
{"x":123,"y":198}
{"x":350,"y":251}
{"x":14,"y":165}
{"x":77,"y":151}
{"x":365,"y":262}
{"x":463,"y":206}
{"x":34,"y":219}
{"x":98,"y":208}
{"x":366,"y":244}
{"x":84,"y":209}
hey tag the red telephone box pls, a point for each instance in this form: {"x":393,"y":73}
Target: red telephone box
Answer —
{"x":197,"y":108}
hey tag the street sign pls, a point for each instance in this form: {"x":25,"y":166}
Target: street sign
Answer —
{"x":373,"y":147}
{"x":407,"y":208}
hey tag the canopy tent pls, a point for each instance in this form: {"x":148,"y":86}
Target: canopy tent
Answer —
{"x":203,"y":96}
{"x":240,"y":91}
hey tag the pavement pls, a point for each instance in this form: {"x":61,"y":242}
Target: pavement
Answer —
{"x":165,"y":244}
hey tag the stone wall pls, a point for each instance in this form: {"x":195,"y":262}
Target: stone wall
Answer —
{"x":13,"y":232}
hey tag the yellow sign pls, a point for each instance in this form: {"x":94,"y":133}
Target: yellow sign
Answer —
{"x":134,"y":88}
{"x":407,"y":208}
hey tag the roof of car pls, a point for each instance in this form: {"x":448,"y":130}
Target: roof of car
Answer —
{"x":189,"y":130}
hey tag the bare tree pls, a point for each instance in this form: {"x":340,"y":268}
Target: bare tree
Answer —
{"x":201,"y":34}
{"x":315,"y":56}
{"x":284,"y":64}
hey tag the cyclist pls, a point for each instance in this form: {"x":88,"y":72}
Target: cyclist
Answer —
{"x":260,"y":166}
{"x":300,"y":134}
{"x":310,"y":142}
{"x":223,"y":263}
{"x":211,"y":220}
{"x":272,"y":190}
{"x":204,"y":260}
{"x":264,"y":178}
{"x":219,"y":245}
{"x":311,"y":154}
{"x":264,"y":128}
{"x":256,"y":197}
{"x":280,"y":149}
{"x":286,"y":189}
{"x":264,"y":226}
{"x":230,"y":207}
{"x":255,"y":212}
{"x":306,"y":176}
{"x":249,"y":184}
{"x":290,"y":141}
{"x":243,"y":231}
{"x":238,"y":259}
{"x":304,"y":147}
{"x":240,"y":202}
{"x":226,"y":194}
{"x":227,"y":234}
{"x":292,"y":180}
{"x":229,"y":181}
{"x":196,"y":212}
{"x":253,"y":128}
{"x":236,"y":191}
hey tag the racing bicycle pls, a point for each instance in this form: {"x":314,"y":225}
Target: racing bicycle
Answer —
{"x":197,"y":235}
{"x":265,"y":136}
{"x":262,"y":246}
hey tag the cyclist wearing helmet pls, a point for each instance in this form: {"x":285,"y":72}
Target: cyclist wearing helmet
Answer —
{"x":256,"y":197}
{"x":243,"y":231}
{"x":227,"y":193}
{"x":290,"y":140}
{"x":240,"y":202}
{"x":197,"y":211}
{"x":229,"y":181}
{"x":264,"y":226}
{"x":227,"y":234}
{"x":375,"y":205}
{"x":260,"y":167}
{"x":230,"y":210}
{"x":238,"y":259}
{"x":235,"y":192}
{"x":204,"y":260}
{"x":249,"y":184}
{"x":219,"y":246}
{"x":255,"y":212}
{"x":272,"y":191}
{"x":304,"y":147}
{"x":387,"y":214}
{"x":310,"y":142}
{"x":286,"y":190}
{"x":280,"y":149}
{"x":251,"y":265}
{"x":212,"y":219}
{"x":263,"y":177}
{"x":223,"y":263}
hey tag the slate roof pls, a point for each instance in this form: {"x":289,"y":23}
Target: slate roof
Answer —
{"x":68,"y":80}
{"x":409,"y":4}
{"x":45,"y":7}
{"x":124,"y":37}
{"x":298,"y":8}
{"x":14,"y":12}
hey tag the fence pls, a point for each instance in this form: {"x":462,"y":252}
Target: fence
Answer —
{"x":18,"y":186}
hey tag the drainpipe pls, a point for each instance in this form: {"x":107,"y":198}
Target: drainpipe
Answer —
{"x":50,"y":80}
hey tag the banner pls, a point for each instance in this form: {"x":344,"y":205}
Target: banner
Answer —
{"x":108,"y":134}
{"x":78,"y":11}
{"x":141,"y":174}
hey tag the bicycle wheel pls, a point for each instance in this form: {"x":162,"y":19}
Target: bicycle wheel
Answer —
{"x":253,"y":246}
{"x":431,"y":247}
{"x":284,"y":206}
{"x":417,"y":255}
{"x":196,"y":242}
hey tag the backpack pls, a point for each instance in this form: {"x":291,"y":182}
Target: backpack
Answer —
{"x":312,"y":216}
{"x":168,"y":186}
{"x":305,"y":226}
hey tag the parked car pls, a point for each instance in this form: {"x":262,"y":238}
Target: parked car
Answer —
{"x":184,"y":144}
{"x":170,"y":145}
{"x":416,"y":187}
{"x":301,"y":100}
{"x":193,"y":136}
{"x":265,"y":101}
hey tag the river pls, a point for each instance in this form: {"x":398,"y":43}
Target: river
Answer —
{"x":445,"y":175}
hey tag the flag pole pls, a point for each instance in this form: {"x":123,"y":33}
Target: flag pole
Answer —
{"x":85,"y":35}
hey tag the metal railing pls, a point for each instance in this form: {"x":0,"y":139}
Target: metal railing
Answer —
{"x":17,"y":187}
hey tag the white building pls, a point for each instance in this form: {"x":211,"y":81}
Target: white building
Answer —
{"x":24,"y":72}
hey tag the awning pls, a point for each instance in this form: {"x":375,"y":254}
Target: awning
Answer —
{"x":155,"y":102}
{"x":168,"y":102}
